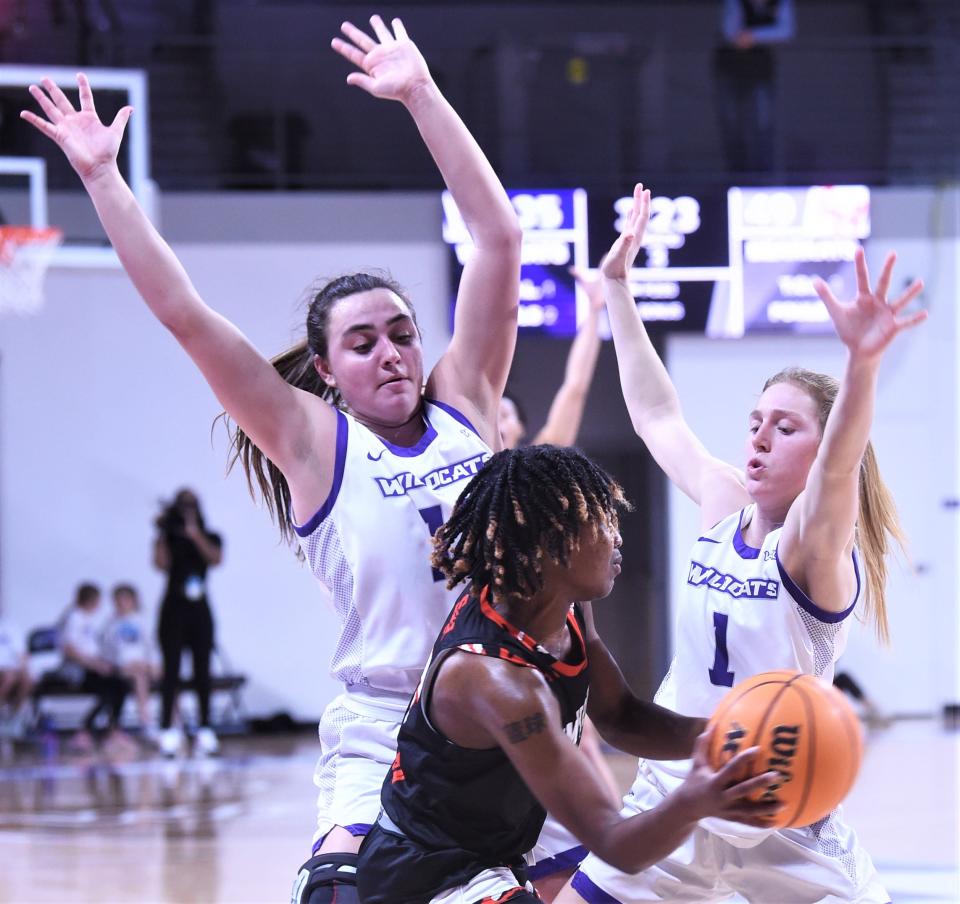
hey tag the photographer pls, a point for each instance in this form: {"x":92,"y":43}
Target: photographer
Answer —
{"x":185,"y":549}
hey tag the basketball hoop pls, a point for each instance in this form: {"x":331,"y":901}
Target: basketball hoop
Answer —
{"x":25,"y":254}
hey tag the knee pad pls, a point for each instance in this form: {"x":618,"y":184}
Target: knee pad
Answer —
{"x":326,"y":878}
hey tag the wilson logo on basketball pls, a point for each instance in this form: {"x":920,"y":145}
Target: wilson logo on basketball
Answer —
{"x":783,"y":750}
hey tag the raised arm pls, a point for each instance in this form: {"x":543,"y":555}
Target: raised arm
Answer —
{"x":819,"y":530}
{"x":284,"y":422}
{"x":515,"y":710}
{"x":566,"y":410}
{"x":473,"y":371}
{"x":648,"y":391}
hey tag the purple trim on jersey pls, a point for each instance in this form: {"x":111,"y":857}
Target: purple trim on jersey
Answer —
{"x":412,"y":451}
{"x":357,"y":829}
{"x":341,"y":458}
{"x":563,"y":861}
{"x":455,"y":414}
{"x":591,"y":893}
{"x":707,"y":540}
{"x":740,"y":545}
{"x":809,"y":605}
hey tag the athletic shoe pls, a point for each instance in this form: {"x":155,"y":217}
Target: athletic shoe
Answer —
{"x":206,"y":743}
{"x":171,"y":741}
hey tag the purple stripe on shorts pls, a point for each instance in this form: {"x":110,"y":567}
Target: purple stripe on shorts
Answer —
{"x":562,"y":861}
{"x":357,"y":829}
{"x":591,"y":893}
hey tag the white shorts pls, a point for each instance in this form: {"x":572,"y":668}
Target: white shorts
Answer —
{"x":823,"y":864}
{"x":358,"y":742}
{"x":556,"y":850}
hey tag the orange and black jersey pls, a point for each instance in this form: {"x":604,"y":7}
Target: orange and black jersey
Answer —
{"x":454,"y":811}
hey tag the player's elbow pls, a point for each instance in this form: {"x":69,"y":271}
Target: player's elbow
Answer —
{"x":501,"y":238}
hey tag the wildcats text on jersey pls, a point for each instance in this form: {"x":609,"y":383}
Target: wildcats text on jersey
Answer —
{"x":752,"y":588}
{"x":400,"y":484}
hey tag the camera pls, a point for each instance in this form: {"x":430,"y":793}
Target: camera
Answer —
{"x":170,"y":522}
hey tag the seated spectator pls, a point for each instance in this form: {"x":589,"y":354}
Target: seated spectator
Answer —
{"x":15,"y":683}
{"x":126,"y":646}
{"x":86,"y":668}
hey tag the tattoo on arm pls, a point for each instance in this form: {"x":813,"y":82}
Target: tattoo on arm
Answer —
{"x":525,"y":727}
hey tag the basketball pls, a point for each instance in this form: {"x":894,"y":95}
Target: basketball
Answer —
{"x":805,"y":730}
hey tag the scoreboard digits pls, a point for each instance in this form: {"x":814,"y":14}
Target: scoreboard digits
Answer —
{"x":723,"y":263}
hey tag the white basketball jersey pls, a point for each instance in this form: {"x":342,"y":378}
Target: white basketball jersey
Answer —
{"x":371,"y":541}
{"x":741,"y":614}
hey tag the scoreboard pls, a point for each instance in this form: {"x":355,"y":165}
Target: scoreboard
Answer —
{"x":682,"y":260}
{"x":724,"y":263}
{"x":780,"y":239}
{"x":554,"y":225}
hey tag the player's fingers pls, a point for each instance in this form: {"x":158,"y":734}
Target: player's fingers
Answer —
{"x":86,"y":95}
{"x":121,"y":119}
{"x":863,"y":274}
{"x":359,"y":37}
{"x":399,"y":30}
{"x":359,"y":80}
{"x":46,"y":104}
{"x":752,"y":785}
{"x":739,"y":765}
{"x":354,"y":54}
{"x":39,"y":123}
{"x":701,"y":746}
{"x":762,"y":819}
{"x":911,"y":321}
{"x":644,"y":217}
{"x":826,"y":295}
{"x":883,"y":283}
{"x":381,"y":30}
{"x":912,"y":291}
{"x":57,"y":96}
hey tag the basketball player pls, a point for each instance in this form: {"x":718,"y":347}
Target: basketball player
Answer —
{"x":340,"y":435}
{"x":557,"y":852}
{"x":489,"y":740}
{"x":790,"y":548}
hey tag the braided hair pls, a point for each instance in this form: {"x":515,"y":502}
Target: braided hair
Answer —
{"x":525,"y":505}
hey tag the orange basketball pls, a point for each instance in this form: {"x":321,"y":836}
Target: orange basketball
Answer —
{"x":805,"y":730}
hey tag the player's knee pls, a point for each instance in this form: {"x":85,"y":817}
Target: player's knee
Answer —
{"x":326,"y":878}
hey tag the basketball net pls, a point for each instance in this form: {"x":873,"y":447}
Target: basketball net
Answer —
{"x":25,"y":255}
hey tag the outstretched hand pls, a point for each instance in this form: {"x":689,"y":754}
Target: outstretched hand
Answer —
{"x":591,"y":285}
{"x":88,"y":144}
{"x":725,"y":793}
{"x":869,"y":323}
{"x":391,"y":66}
{"x":623,"y":252}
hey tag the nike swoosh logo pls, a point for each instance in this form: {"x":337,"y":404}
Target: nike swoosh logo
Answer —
{"x":375,"y":457}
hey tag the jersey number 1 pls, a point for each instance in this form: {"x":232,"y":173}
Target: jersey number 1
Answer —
{"x":720,"y":673}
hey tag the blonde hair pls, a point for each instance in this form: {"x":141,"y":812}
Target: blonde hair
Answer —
{"x":877,"y":518}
